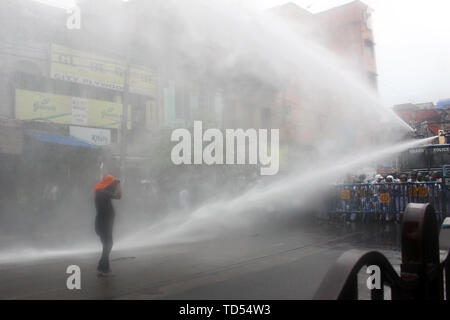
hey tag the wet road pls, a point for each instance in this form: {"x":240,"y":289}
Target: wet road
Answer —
{"x":284,"y":262}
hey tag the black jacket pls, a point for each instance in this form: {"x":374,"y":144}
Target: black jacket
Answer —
{"x":105,"y":212}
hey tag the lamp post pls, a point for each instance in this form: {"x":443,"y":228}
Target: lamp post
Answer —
{"x":124,"y":123}
{"x":126,"y":89}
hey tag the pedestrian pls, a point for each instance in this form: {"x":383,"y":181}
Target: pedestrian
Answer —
{"x":377,"y":190}
{"x":413,"y":177}
{"x":378,"y":179}
{"x":401,"y":196}
{"x":107,"y":189}
{"x":389,"y":190}
{"x":420,"y":177}
{"x":184,"y":200}
{"x":51,"y":196}
{"x":436,"y":176}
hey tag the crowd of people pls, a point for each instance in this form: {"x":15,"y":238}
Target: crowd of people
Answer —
{"x":384,"y":198}
{"x":412,"y":177}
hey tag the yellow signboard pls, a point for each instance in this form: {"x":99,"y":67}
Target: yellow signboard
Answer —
{"x":31,"y":105}
{"x":97,"y":70}
{"x":142,"y":81}
{"x":345,"y":194}
{"x":385,"y":198}
{"x":418,"y":191}
{"x":423,"y":191}
{"x":42,"y":106}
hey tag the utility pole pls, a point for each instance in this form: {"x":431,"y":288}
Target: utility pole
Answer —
{"x":130,"y":9}
{"x":124,"y":124}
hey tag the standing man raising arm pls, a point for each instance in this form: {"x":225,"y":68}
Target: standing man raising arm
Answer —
{"x":107,"y":189}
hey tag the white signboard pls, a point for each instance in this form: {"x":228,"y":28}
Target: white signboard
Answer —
{"x":96,"y":70}
{"x":79,"y":111}
{"x":98,"y":137}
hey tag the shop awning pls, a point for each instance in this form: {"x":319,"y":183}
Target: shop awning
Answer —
{"x":64,"y":140}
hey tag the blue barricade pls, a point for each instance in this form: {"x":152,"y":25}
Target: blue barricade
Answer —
{"x":386,"y":201}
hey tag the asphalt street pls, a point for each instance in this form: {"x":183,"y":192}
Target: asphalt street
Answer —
{"x":283,"y":262}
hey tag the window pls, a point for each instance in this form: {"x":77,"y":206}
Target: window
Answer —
{"x":369,"y":47}
{"x":367,"y":18}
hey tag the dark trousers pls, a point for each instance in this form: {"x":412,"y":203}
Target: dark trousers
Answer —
{"x":104,"y":231}
{"x":107,"y":242}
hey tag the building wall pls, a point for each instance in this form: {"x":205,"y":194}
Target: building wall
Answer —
{"x":344,"y":30}
{"x":347,"y":32}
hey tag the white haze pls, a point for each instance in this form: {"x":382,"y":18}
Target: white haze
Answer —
{"x":225,"y":47}
{"x":412,"y":47}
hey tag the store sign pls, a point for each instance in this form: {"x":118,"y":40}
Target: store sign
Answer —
{"x":100,"y":71}
{"x":446,"y":149}
{"x":80,"y":111}
{"x":417,"y":150}
{"x":42,"y":106}
{"x":95,"y":136}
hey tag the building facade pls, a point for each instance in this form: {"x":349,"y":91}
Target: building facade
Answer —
{"x":427,"y":119}
{"x":346,"y":31}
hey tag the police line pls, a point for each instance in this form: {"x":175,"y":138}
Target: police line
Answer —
{"x":386,"y":201}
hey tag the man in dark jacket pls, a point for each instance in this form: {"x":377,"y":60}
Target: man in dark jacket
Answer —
{"x":107,"y":189}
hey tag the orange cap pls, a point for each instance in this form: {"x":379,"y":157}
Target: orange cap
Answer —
{"x":105,"y":183}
